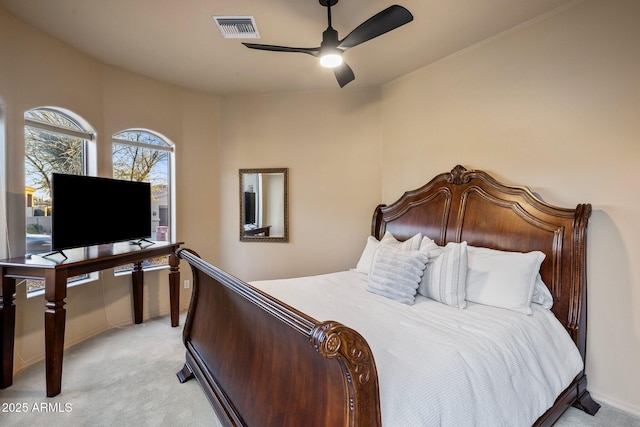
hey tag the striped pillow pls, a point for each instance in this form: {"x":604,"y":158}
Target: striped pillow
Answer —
{"x":445,"y":276}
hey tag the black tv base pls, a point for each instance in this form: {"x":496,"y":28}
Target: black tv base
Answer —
{"x":141,"y":241}
{"x":50,"y":254}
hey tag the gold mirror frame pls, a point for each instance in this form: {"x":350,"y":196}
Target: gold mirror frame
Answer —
{"x":260,"y":223}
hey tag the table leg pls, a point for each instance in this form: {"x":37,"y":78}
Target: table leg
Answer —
{"x":54,"y":324}
{"x":7,"y":329}
{"x":174,"y":288}
{"x":137,"y":283}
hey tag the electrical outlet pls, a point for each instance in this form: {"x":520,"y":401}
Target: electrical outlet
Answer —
{"x":186,"y":284}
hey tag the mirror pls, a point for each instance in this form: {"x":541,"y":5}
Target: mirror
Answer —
{"x":264,"y":205}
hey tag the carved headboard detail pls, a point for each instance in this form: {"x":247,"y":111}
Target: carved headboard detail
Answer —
{"x":471,"y":206}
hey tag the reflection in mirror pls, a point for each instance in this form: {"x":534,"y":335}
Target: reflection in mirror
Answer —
{"x":264,"y":205}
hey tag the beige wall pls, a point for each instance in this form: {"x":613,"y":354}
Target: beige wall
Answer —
{"x":331,"y":144}
{"x":35,"y":71}
{"x":554,"y":105}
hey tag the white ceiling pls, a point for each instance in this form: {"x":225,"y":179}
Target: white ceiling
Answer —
{"x":177,"y":41}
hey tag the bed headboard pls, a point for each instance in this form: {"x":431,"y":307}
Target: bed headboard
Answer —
{"x":471,"y":206}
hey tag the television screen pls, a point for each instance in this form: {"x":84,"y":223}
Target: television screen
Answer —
{"x":89,"y":211}
{"x":249,"y":207}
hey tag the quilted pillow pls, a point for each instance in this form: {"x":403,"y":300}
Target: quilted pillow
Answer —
{"x":502,"y":279}
{"x":445,"y":276}
{"x":395,"y":273}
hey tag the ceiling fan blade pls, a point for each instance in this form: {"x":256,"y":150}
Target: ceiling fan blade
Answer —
{"x":313,"y":51}
{"x":389,"y":19}
{"x":344,"y":74}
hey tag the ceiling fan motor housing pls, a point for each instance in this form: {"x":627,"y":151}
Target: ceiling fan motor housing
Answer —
{"x":329,"y":38}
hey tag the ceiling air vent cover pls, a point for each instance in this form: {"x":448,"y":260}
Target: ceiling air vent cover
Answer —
{"x":237,"y":27}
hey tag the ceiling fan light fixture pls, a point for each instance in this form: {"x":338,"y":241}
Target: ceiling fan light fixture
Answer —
{"x":331,"y":58}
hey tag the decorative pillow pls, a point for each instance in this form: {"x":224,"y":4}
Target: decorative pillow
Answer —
{"x":395,"y":273}
{"x":541,"y":294}
{"x":445,"y":276}
{"x":428,"y":245}
{"x":364,"y":264}
{"x":411,"y":244}
{"x":502,"y":279}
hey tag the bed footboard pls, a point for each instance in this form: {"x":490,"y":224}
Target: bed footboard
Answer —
{"x":263,"y":363}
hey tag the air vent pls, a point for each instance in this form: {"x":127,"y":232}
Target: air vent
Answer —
{"x":237,"y":27}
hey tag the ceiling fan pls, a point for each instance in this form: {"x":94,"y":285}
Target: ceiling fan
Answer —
{"x":331,"y":48}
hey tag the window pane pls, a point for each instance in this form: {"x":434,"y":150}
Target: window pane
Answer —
{"x":141,"y":136}
{"x":45,"y":153}
{"x":135,"y":163}
{"x":147,"y":159}
{"x":52,"y":117}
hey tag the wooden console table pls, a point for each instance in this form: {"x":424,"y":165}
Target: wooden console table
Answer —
{"x":258,"y":231}
{"x":55,"y":270}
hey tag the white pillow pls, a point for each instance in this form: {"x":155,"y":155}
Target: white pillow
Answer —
{"x":502,"y":279}
{"x":366,"y":258}
{"x":445,"y":276}
{"x":541,"y":294}
{"x":364,"y":264}
{"x":427,"y":244}
{"x":396,"y":273}
{"x":411,"y":244}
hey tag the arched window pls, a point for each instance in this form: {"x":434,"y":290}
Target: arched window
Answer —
{"x":146,"y":156}
{"x":56,"y":140}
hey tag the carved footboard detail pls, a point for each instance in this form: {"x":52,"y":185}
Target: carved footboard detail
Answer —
{"x":261,"y":362}
{"x":335,"y":341}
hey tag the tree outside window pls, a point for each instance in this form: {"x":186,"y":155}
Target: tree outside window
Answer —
{"x":47,"y":151}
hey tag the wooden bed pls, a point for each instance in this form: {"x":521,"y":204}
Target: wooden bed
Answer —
{"x":263,"y":363}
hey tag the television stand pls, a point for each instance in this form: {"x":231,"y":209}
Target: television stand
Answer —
{"x":55,"y":275}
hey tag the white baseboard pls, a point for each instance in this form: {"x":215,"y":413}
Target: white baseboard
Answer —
{"x":615,"y":403}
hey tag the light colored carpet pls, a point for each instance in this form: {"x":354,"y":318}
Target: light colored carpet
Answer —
{"x":606,"y":417}
{"x":127,"y":376}
{"x":122,"y":377}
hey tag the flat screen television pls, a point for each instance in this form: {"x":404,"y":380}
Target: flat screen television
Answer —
{"x":249,"y":207}
{"x":88,"y":211}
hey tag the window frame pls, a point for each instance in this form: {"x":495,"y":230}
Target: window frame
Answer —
{"x":4,"y":231}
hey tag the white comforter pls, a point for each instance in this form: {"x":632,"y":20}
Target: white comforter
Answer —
{"x":444,"y":366}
